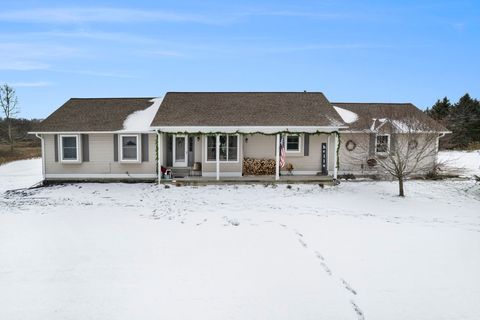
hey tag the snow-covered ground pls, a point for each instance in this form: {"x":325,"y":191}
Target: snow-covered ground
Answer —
{"x":464,"y":163}
{"x":141,"y":251}
{"x":20,"y":174}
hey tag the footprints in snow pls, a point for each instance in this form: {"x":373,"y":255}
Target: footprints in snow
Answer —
{"x":201,"y":222}
{"x":303,"y":243}
{"x":323,"y":264}
{"x":357,"y":310}
{"x":328,"y":271}
{"x":348,"y":287}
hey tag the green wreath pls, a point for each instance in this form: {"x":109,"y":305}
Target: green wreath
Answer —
{"x":350,"y":145}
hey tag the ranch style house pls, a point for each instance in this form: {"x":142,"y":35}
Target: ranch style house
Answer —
{"x":225,"y":136}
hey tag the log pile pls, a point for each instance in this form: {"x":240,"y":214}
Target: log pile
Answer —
{"x":258,"y":167}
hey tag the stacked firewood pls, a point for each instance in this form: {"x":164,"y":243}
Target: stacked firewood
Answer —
{"x":258,"y":167}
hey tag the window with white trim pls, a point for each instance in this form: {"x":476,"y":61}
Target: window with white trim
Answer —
{"x":129,"y":148}
{"x":70,"y":148}
{"x":292,"y":143}
{"x":228,"y":148}
{"x":382,"y":143}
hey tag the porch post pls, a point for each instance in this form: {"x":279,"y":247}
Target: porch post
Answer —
{"x":159,"y":155}
{"x":277,"y":158}
{"x":335,"y":161}
{"x":217,"y":144}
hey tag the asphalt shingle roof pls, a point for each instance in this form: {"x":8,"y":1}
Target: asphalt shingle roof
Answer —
{"x":401,"y":112}
{"x":92,"y":114}
{"x":246,"y":109}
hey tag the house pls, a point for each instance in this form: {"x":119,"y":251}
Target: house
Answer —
{"x":210,"y":134}
{"x":374,"y":129}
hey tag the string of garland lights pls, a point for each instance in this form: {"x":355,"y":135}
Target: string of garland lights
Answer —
{"x":337,"y":151}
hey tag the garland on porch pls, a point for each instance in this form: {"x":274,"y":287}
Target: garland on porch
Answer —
{"x":258,"y":132}
{"x":156,"y":153}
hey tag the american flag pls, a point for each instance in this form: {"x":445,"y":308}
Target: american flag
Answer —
{"x":282,"y":151}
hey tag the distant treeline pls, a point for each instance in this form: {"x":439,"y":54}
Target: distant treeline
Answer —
{"x":461,"y":118}
{"x":20,"y":129}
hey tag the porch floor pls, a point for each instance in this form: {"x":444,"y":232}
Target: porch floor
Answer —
{"x":253,"y":179}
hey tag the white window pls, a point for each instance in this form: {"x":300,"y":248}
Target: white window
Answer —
{"x":228,"y":148}
{"x":129,"y":148}
{"x":382,"y":143}
{"x":292,"y":143}
{"x":70,"y":148}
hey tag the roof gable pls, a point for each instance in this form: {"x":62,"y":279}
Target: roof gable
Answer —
{"x":372,"y":116}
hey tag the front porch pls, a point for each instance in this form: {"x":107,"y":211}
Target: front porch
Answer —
{"x":203,"y":157}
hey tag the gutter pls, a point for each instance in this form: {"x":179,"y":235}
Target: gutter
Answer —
{"x":151,"y":131}
{"x":245,"y":129}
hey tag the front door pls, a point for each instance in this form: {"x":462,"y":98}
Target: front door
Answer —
{"x":180,"y":150}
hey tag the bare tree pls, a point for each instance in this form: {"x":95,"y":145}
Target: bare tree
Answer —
{"x":410,"y":153}
{"x":400,"y":148}
{"x":9,"y":105}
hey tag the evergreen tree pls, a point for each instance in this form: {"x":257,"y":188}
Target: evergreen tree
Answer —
{"x":440,"y":110}
{"x":464,"y":121}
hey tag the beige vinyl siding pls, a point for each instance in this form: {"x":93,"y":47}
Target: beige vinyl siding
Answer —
{"x":355,"y":161}
{"x":430,"y":154}
{"x":259,"y":146}
{"x":101,"y":158}
{"x":313,"y":162}
{"x":263,"y":146}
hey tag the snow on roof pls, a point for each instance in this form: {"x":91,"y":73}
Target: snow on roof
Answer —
{"x":346,"y":115}
{"x":141,"y":120}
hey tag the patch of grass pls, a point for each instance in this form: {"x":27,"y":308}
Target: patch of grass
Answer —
{"x":473,"y":146}
{"x":22,"y":150}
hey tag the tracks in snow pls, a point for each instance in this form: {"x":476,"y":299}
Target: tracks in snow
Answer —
{"x":329,"y":272}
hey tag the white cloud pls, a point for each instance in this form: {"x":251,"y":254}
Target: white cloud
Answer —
{"x":70,"y":15}
{"x":99,"y":14}
{"x":30,"y":55}
{"x":97,"y":73}
{"x":30,"y":84}
{"x":22,"y":65}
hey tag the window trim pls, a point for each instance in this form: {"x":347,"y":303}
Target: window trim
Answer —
{"x":221,"y":161}
{"x":139,"y":148}
{"x":79,"y":150}
{"x":299,"y":143}
{"x":388,"y":144}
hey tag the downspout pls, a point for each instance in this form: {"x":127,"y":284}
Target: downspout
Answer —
{"x":335,"y":160}
{"x":441,"y":135}
{"x":43,"y":154}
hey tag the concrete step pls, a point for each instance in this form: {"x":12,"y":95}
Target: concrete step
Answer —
{"x":180,"y":172}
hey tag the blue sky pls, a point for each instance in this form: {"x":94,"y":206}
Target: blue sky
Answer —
{"x":365,"y":51}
